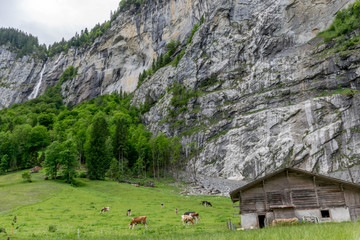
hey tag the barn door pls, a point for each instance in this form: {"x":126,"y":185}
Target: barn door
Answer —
{"x":261,"y":220}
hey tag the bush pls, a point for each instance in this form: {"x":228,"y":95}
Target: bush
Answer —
{"x":82,"y":175}
{"x":26,"y":177}
{"x":178,"y":58}
{"x":208,"y":82}
{"x":181,"y":95}
{"x":196,"y":27}
{"x":68,"y":74}
{"x":172,"y":46}
{"x":52,"y":228}
{"x":2,"y":230}
{"x":346,"y":21}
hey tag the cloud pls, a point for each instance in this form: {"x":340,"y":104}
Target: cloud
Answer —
{"x":51,"y":20}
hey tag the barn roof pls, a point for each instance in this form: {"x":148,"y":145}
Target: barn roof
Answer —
{"x":235,"y":194}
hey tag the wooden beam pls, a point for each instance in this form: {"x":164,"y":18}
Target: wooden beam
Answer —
{"x":316,"y":192}
{"x":342,"y":190}
{"x":263,"y":187}
{"x":288,"y":183}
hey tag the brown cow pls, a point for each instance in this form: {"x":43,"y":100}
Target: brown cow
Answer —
{"x":187,"y":219}
{"x":194,"y":215}
{"x":137,"y":220}
{"x":35,"y":169}
{"x":285,"y":220}
{"x":105,"y":209}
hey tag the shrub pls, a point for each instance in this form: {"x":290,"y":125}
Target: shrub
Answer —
{"x":346,"y":21}
{"x":26,"y":177}
{"x":68,"y":74}
{"x":52,"y":228}
{"x":2,"y":230}
{"x":196,"y":27}
{"x":82,"y":175}
{"x":172,"y":46}
{"x":178,"y":58}
{"x":181,"y":95}
{"x":208,"y":82}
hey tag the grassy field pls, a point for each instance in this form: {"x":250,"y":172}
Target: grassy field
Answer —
{"x":75,"y":213}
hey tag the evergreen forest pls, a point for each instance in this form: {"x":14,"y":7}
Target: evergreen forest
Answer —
{"x":104,"y":135}
{"x":26,"y":44}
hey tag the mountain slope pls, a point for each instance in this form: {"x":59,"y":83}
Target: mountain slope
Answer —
{"x":258,"y":70}
{"x":245,"y":95}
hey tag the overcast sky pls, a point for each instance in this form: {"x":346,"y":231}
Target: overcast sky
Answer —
{"x":50,"y":20}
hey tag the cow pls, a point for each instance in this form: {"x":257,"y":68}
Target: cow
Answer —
{"x":284,"y":220}
{"x":187,"y":219}
{"x":194,"y":215}
{"x":128,"y":213}
{"x":35,"y":169}
{"x":176,"y":211}
{"x":105,"y":209}
{"x":206,"y":203}
{"x":161,"y":205}
{"x":136,"y":221}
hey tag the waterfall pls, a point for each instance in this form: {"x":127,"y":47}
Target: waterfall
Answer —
{"x":38,"y":84}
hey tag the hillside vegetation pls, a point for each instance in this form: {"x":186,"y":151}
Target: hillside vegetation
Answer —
{"x":343,"y":33}
{"x":53,"y":210}
{"x":105,"y":134}
{"x":22,"y":43}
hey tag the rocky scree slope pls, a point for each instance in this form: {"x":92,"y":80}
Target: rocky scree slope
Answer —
{"x":249,"y":82}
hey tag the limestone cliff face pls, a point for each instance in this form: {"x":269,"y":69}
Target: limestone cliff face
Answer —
{"x":260,"y":110}
{"x":113,"y":62}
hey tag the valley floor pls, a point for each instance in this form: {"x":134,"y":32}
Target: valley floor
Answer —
{"x":75,"y":213}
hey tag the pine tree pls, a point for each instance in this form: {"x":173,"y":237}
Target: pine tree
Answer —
{"x":120,"y":140}
{"x":96,"y":148}
{"x":52,"y":159}
{"x":69,"y":160}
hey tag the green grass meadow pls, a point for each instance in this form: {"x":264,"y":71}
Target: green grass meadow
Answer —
{"x":75,"y":211}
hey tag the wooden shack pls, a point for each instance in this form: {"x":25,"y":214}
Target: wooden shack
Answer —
{"x":291,"y":192}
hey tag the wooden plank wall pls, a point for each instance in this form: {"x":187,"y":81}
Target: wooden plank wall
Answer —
{"x":352,"y":197}
{"x":304,"y":198}
{"x":253,"y":200}
{"x":296,"y":189}
{"x":330,"y":194}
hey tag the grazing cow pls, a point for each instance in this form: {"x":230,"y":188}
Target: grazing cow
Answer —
{"x":128,"y":212}
{"x":206,"y":203}
{"x":187,"y":219}
{"x":285,"y":220}
{"x":105,"y":209}
{"x":137,"y":220}
{"x":176,"y":211}
{"x":35,"y":169}
{"x":194,"y":215}
{"x":162,"y":205}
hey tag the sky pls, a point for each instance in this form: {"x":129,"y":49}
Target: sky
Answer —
{"x":51,"y":20}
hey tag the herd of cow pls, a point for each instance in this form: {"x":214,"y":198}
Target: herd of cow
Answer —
{"x":188,"y":217}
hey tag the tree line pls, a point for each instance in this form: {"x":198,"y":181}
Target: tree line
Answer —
{"x":104,"y":134}
{"x":22,"y":43}
{"x":26,"y":44}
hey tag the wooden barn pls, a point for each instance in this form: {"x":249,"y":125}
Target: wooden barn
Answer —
{"x":290,"y":192}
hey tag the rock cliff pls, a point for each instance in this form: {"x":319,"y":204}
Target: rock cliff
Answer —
{"x":258,"y":77}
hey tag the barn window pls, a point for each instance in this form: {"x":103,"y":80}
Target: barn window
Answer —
{"x":325,"y":213}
